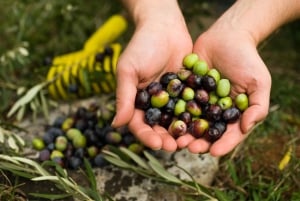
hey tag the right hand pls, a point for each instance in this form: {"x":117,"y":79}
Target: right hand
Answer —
{"x":157,"y":46}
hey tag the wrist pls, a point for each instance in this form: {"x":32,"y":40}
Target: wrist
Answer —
{"x":143,"y":11}
{"x":258,"y":18}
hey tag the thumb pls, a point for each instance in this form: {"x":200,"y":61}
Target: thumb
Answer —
{"x":125,"y":96}
{"x":258,"y":110}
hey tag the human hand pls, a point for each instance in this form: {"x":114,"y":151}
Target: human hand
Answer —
{"x":157,"y":46}
{"x":234,"y":54}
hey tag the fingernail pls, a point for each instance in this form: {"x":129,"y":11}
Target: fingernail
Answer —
{"x":113,"y":122}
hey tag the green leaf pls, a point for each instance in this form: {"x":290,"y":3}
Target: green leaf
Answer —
{"x":12,"y":144}
{"x":31,"y":93}
{"x":50,"y":196}
{"x":221,"y":196}
{"x":117,"y":162}
{"x":90,"y":174}
{"x":160,"y":170}
{"x":2,"y":137}
{"x":136,"y":158}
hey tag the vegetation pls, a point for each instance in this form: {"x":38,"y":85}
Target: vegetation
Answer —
{"x":265,"y":167}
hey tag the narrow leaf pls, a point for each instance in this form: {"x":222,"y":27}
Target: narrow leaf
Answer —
{"x":12,"y":143}
{"x":31,"y":93}
{"x":117,"y":162}
{"x":135,"y":158}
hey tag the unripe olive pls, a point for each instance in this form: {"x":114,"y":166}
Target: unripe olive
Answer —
{"x":241,"y":101}
{"x":215,"y":74}
{"x":92,"y":151}
{"x":56,"y":154}
{"x":79,"y":141}
{"x":113,"y":137}
{"x":188,"y":94}
{"x":183,"y":74}
{"x":223,"y":87}
{"x":189,"y":60}
{"x":72,"y":133}
{"x":61,"y":143}
{"x":160,"y":99}
{"x":179,"y":107}
{"x":38,"y":144}
{"x":213,"y":98}
{"x":136,"y":148}
{"x":225,"y":102}
{"x":68,"y":123}
{"x":200,"y":67}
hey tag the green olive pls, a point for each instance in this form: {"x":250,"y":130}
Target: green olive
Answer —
{"x":223,"y":88}
{"x":200,"y":67}
{"x":189,"y":60}
{"x":241,"y":101}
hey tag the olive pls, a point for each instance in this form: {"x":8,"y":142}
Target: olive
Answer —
{"x":153,"y":116}
{"x":208,"y":83}
{"x":200,"y":67}
{"x":38,"y":143}
{"x":189,"y":60}
{"x":154,"y":88}
{"x":223,"y":88}
{"x":215,"y":74}
{"x":187,"y":94}
{"x":178,"y":128}
{"x":167,"y":77}
{"x":241,"y":101}
{"x":179,"y":107}
{"x":142,"y":99}
{"x":160,"y":99}
{"x":225,"y":102}
{"x":198,"y":127}
{"x":175,"y":87}
{"x":231,"y":115}
{"x":193,"y":108}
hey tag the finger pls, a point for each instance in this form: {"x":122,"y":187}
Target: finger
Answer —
{"x":144,"y":132}
{"x":258,"y":110}
{"x":199,"y":146}
{"x":168,"y":142}
{"x":230,"y":139}
{"x":125,"y":95}
{"x":184,"y":141}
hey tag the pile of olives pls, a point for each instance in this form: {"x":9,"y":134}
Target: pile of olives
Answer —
{"x":194,"y":100}
{"x":84,"y":134}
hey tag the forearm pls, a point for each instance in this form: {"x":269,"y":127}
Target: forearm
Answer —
{"x":142,"y":11}
{"x":259,"y":17}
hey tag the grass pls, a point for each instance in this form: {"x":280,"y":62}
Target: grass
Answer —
{"x":32,"y":30}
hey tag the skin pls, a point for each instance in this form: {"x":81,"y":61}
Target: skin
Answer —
{"x":229,"y":45}
{"x":153,"y":50}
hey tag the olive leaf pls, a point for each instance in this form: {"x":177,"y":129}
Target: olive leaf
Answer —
{"x":135,"y":158}
{"x":160,"y":170}
{"x":29,"y":96}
